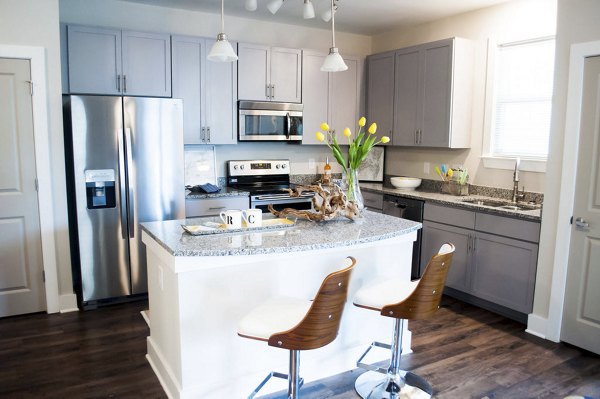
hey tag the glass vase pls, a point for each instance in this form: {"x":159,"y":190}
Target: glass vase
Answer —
{"x":353,"y":189}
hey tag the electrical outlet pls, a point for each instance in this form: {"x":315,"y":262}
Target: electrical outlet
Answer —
{"x":426,"y":166}
{"x":311,"y":165}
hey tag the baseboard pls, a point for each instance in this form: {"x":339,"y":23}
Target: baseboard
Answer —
{"x":68,"y":303}
{"x":536,"y":325}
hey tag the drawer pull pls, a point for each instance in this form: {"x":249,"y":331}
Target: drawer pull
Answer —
{"x":216,"y":207}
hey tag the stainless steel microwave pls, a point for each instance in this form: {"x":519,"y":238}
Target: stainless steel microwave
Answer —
{"x":270,"y":121}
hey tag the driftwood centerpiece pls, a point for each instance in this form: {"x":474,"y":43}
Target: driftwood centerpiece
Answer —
{"x":329,"y":202}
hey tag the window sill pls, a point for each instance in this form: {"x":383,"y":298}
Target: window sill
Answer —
{"x":526,"y":165}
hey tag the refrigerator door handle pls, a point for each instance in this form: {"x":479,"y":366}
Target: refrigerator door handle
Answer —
{"x":130,"y":199}
{"x":122,"y":185}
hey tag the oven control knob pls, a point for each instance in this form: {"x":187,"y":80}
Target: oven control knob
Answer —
{"x":283,"y":166}
{"x":277,"y":166}
{"x":242,"y":167}
{"x":234,"y":166}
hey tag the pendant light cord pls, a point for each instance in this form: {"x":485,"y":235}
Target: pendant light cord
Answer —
{"x":222,"y":17}
{"x":332,"y":25}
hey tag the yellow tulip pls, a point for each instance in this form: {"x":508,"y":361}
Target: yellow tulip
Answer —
{"x":347,"y":132}
{"x":324,"y":126}
{"x":362,"y":121}
{"x":385,"y":139}
{"x":373,"y":128}
{"x":320,"y":136}
{"x":450,"y":173}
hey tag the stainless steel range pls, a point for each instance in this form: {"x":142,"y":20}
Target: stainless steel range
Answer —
{"x":266,"y":181}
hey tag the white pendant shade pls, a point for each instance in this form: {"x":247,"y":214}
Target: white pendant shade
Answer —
{"x":308,"y":11}
{"x":251,"y":5}
{"x":274,"y":6}
{"x":334,"y":62}
{"x":222,"y":51}
{"x":326,"y":16}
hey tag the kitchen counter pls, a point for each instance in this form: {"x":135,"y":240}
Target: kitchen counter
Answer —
{"x":200,"y":287}
{"x":225,"y":192}
{"x":453,"y":200}
{"x":304,"y":236}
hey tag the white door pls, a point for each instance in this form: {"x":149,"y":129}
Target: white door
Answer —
{"x":581,"y":320}
{"x":21,"y":268}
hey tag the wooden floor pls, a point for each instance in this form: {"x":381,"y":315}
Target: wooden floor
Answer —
{"x":466,"y":352}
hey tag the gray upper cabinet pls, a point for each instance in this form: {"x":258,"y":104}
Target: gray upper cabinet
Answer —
{"x":208,"y":92}
{"x":380,"y":92}
{"x":329,"y":97}
{"x":269,"y":73}
{"x":432,"y":93}
{"x":111,"y":61}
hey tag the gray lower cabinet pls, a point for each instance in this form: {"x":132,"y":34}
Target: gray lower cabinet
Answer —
{"x":198,"y":207}
{"x":495,"y":258}
{"x":116,"y":62}
{"x":208,"y":90}
{"x":373,"y":201}
{"x":329,"y":97}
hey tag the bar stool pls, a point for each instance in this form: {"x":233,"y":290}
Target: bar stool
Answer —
{"x":299,"y":324}
{"x":402,"y":300}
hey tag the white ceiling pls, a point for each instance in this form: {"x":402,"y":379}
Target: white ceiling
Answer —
{"x":367,"y":17}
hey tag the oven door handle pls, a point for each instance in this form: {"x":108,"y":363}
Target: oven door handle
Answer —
{"x":283,"y":197}
{"x":289,"y":125}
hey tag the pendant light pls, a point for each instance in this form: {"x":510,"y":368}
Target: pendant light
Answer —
{"x":308,"y":12}
{"x":222,"y":51}
{"x":274,"y":6}
{"x":251,"y":5}
{"x":334,"y":61}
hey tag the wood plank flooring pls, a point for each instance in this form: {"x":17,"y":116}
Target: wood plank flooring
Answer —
{"x":465,"y":352}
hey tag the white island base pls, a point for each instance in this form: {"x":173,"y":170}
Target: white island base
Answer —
{"x":196,"y":303}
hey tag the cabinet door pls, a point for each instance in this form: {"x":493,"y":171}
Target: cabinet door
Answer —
{"x":316,"y":92}
{"x":380,"y":92}
{"x":504,"y":271}
{"x":94,"y":60}
{"x":406,"y":100}
{"x":345,"y":94}
{"x":253,"y":72}
{"x":286,"y":75}
{"x":146,"y":64}
{"x":436,"y":234}
{"x":220,"y":107}
{"x":436,"y":94}
{"x":189,"y":54}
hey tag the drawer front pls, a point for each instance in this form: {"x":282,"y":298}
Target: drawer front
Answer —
{"x":214,"y":206}
{"x":373,"y":200}
{"x":508,"y":227}
{"x":449,"y":215}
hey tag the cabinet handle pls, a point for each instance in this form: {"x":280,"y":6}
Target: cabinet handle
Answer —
{"x":474,"y":246}
{"x":202,"y":134}
{"x":208,"y":134}
{"x":118,"y":83}
{"x":214,"y":208}
{"x":417,"y":136}
{"x":272,"y":92}
{"x":420,"y":136}
{"x":267,"y":87}
{"x":124,"y":83}
{"x":468,"y":243}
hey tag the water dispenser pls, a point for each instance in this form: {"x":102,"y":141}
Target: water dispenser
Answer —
{"x":100,"y":188}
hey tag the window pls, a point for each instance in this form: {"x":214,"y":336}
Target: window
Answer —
{"x":522,"y":103}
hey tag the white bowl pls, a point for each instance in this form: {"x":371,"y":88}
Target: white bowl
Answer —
{"x":405,"y":183}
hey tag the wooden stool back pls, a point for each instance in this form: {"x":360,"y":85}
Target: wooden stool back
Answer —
{"x":425,"y":299}
{"x":322,"y":321}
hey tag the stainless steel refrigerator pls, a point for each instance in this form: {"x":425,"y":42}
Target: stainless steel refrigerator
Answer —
{"x":124,"y":167}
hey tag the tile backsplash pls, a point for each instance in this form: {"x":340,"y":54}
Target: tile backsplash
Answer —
{"x":200,"y":166}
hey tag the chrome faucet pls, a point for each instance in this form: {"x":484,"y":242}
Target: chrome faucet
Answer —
{"x":516,"y":196}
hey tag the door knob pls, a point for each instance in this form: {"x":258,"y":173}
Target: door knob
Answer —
{"x":581,"y":224}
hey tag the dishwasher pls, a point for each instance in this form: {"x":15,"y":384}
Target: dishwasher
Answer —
{"x":410,"y":209}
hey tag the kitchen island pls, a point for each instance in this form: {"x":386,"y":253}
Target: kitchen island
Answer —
{"x":201,"y":286}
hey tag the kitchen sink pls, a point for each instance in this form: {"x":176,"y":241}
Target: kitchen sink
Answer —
{"x":503,"y":204}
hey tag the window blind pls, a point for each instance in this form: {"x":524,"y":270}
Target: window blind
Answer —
{"x":523,"y":99}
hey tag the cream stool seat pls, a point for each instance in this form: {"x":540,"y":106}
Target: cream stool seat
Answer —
{"x":410,"y":300}
{"x":299,"y":324}
{"x":273,"y":316}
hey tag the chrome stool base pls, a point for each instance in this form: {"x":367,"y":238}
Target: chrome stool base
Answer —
{"x":404,"y":385}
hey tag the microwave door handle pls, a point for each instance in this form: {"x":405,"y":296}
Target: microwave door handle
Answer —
{"x":289,"y":125}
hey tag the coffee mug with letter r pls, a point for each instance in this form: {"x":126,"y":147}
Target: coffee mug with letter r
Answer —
{"x":232,"y":218}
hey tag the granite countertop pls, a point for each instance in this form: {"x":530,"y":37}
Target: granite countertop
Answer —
{"x":304,"y":236}
{"x":225,"y":192}
{"x":453,"y":200}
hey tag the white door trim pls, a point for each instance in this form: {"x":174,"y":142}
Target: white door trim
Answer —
{"x":579,"y":52}
{"x":41,"y":133}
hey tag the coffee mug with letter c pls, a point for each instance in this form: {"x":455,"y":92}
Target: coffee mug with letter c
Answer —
{"x":232,"y":218}
{"x":252,"y":217}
